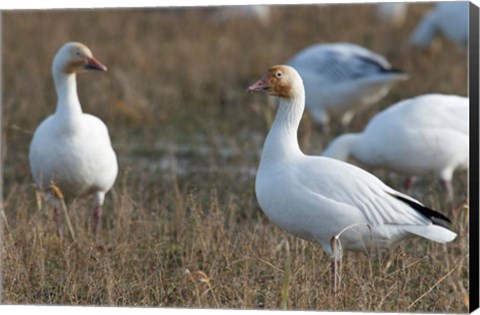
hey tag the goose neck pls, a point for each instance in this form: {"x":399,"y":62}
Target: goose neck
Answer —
{"x":343,"y":147}
{"x":282,"y":141}
{"x":68,"y":104}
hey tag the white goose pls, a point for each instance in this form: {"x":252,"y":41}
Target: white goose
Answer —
{"x":415,"y":137}
{"x":260,"y":13}
{"x":392,"y":12}
{"x":70,"y":148}
{"x":318,"y":198}
{"x":342,"y":78}
{"x":447,"y":18}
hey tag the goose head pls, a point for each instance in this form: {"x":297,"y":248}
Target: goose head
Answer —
{"x":282,"y":81}
{"x":75,"y":57}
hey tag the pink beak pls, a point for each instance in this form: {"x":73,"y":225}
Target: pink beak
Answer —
{"x":260,"y":86}
{"x":94,"y":64}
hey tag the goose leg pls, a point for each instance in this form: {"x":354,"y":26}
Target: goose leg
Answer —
{"x":408,"y":183}
{"x":55,"y":196}
{"x":334,"y":267}
{"x":97,"y":212}
{"x":449,"y":199}
{"x":346,"y":119}
{"x":97,"y":219}
{"x":57,"y":218}
{"x":334,"y":275}
{"x":449,"y":189}
{"x":321,"y":120}
{"x":324,"y":130}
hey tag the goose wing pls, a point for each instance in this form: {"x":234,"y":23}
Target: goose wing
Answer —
{"x":379,"y":204}
{"x":341,"y":62}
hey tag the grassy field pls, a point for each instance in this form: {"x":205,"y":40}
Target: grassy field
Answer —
{"x":181,"y":226}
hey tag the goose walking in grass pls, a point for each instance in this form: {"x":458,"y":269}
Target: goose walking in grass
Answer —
{"x":328,"y":201}
{"x":341,"y":79}
{"x":71,"y":149}
{"x":447,"y":18}
{"x":428,"y":134}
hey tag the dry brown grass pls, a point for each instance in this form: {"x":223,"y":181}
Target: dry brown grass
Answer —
{"x":182,"y":227}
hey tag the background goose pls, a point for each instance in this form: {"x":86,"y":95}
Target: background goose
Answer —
{"x":318,"y":198}
{"x":418,"y":136}
{"x":260,"y":13}
{"x":392,"y":12}
{"x":70,"y":148}
{"x":342,"y":78}
{"x":447,"y":18}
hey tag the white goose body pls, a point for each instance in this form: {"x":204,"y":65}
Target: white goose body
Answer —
{"x":315,"y":198}
{"x":70,"y":148}
{"x":447,"y":18}
{"x":77,"y":156}
{"x":342,"y":78}
{"x":415,"y":137}
{"x":319,"y":204}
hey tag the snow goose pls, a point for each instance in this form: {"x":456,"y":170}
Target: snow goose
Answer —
{"x":392,"y":12}
{"x":342,"y":78}
{"x":448,"y":18}
{"x":69,"y":148}
{"x":423,"y":135}
{"x":328,"y":201}
{"x":260,"y":13}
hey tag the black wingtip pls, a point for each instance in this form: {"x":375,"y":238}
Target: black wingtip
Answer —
{"x":436,"y":217}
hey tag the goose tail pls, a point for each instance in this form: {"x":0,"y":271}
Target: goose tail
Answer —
{"x":432,"y":232}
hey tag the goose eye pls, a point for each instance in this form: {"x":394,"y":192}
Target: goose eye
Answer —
{"x":78,"y":53}
{"x":279,"y":74}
